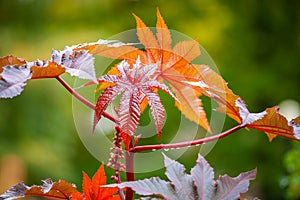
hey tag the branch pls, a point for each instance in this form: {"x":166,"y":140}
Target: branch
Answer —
{"x":188,"y":143}
{"x":82,"y":99}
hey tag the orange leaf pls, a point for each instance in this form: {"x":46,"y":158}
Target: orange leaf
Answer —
{"x":190,"y":103}
{"x":86,"y":186}
{"x":77,"y":196}
{"x":184,"y":52}
{"x":211,"y":84}
{"x":55,"y":190}
{"x":163,"y":34}
{"x":10,"y":60}
{"x":171,"y":63}
{"x":112,"y":51}
{"x":274,"y":124}
{"x":39,"y":69}
{"x":147,"y":38}
{"x":92,"y":189}
{"x":51,"y":70}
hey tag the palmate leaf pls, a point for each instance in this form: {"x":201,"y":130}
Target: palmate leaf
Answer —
{"x":200,"y":185}
{"x":170,"y":62}
{"x":203,"y":176}
{"x":230,"y":188}
{"x":92,"y":189}
{"x":182,"y":182}
{"x":134,"y":81}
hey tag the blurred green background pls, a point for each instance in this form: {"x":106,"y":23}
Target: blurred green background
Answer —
{"x":255,"y":44}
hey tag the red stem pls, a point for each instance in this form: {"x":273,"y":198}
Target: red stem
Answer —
{"x":129,"y":173}
{"x":82,"y":99}
{"x":188,"y":143}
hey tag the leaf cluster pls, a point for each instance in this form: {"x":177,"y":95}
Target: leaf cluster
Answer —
{"x":198,"y":185}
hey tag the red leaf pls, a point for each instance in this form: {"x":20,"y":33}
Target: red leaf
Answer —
{"x":86,"y":186}
{"x":92,"y":189}
{"x":129,"y":111}
{"x":99,"y":178}
{"x":77,"y":196}
{"x":106,"y":97}
{"x":134,"y":80}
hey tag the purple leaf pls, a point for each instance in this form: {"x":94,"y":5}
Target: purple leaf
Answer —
{"x":182,"y":182}
{"x":47,"y":185}
{"x":200,"y":185}
{"x":13,"y":81}
{"x":77,"y":63}
{"x":150,"y":186}
{"x":229,"y":188}
{"x":247,"y":117}
{"x":16,"y":191}
{"x":296,"y":126}
{"x":203,"y":177}
{"x":112,"y":43}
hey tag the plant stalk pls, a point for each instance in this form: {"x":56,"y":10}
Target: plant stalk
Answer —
{"x":187,"y":143}
{"x":82,"y":99}
{"x":129,"y":173}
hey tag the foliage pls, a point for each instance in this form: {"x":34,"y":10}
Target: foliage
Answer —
{"x":200,"y":184}
{"x":65,"y":190}
{"x":157,"y":63}
{"x":137,"y":78}
{"x":136,"y":86}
